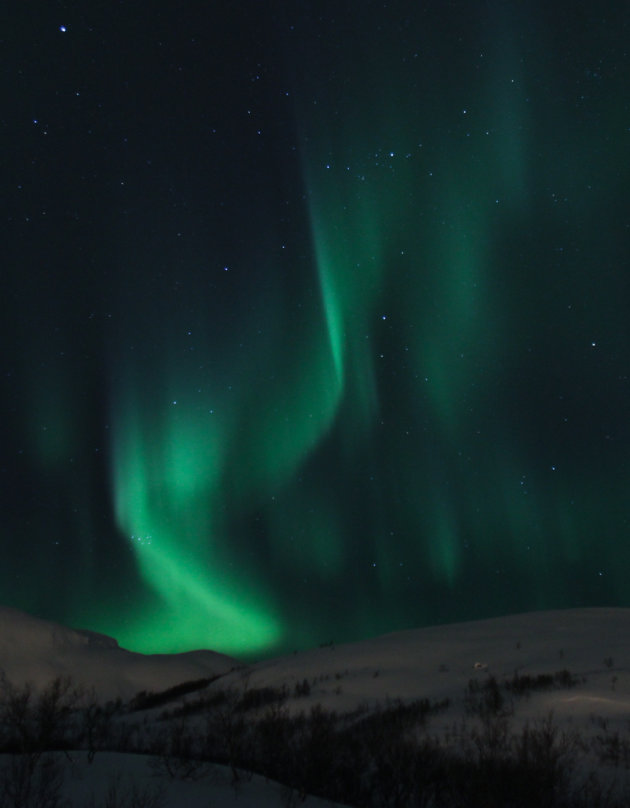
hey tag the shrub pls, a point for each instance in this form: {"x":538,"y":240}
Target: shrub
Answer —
{"x":255,"y":698}
{"x":302,"y":688}
{"x":486,"y":700}
{"x":145,"y":700}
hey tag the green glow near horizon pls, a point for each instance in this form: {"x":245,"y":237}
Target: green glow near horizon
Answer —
{"x":165,"y":481}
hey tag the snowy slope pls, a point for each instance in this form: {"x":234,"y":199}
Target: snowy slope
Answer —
{"x":438,"y":662}
{"x":435,"y":662}
{"x":116,"y":779}
{"x":36,"y":651}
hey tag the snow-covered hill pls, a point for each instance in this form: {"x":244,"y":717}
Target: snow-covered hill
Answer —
{"x":492,"y":680}
{"x":36,"y":651}
{"x":438,"y":662}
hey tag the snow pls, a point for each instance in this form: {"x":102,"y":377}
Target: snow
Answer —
{"x":438,"y":662}
{"x":115,"y":773}
{"x":36,"y":651}
{"x":434,"y":663}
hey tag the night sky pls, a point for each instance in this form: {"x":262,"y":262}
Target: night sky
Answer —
{"x":314,"y":316}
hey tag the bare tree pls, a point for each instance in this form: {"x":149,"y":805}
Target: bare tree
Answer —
{"x":32,"y":726}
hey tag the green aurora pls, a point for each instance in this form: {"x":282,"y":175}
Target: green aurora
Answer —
{"x":337,"y":344}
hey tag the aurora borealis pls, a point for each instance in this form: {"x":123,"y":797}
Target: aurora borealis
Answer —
{"x":315,"y":316}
